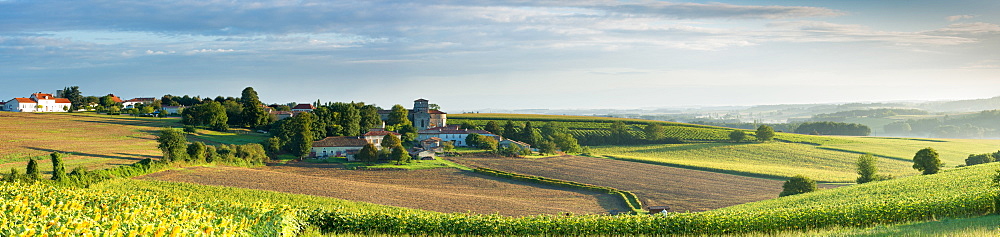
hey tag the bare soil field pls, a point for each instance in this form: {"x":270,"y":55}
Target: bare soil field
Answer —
{"x":94,"y":141}
{"x":442,"y":190}
{"x":681,"y":189}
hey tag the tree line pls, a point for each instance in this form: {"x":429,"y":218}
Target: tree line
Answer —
{"x":833,"y":128}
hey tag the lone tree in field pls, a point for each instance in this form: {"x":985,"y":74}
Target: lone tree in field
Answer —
{"x":58,"y":168}
{"x":765,"y":133}
{"x":367,"y":154}
{"x":33,"y":172}
{"x":654,"y":131}
{"x":867,"y":169}
{"x":173,"y":144}
{"x":737,"y":136}
{"x":796,"y":185}
{"x":927,"y":160}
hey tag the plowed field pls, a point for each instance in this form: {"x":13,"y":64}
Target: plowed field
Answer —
{"x":442,"y":190}
{"x":681,"y":189}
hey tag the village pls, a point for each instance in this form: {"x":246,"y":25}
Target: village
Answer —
{"x":434,"y":134}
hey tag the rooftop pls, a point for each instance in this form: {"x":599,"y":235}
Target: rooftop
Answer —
{"x":340,"y":142}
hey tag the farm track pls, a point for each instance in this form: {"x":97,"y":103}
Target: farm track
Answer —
{"x":441,"y":190}
{"x":681,"y":189}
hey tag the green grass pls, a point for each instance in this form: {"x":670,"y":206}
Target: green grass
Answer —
{"x":952,"y":151}
{"x":584,"y":125}
{"x":767,"y":159}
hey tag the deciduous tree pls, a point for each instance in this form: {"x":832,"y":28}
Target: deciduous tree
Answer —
{"x":765,"y":133}
{"x":866,"y":168}
{"x":58,"y":168}
{"x":390,"y":141}
{"x":798,"y":185}
{"x":253,"y":114}
{"x":737,"y":136}
{"x":927,"y":160}
{"x":654,"y":131}
{"x":400,"y":155}
{"x":367,"y":154}
{"x":33,"y":173}
{"x":173,"y":144}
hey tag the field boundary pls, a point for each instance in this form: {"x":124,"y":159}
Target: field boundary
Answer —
{"x":629,"y":198}
{"x":699,"y":168}
{"x":862,"y":153}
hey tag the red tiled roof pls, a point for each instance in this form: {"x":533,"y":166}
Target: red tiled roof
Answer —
{"x":340,"y":142}
{"x":43,"y":96}
{"x":115,"y":98}
{"x":453,"y":130}
{"x":432,"y":139}
{"x":63,"y":100}
{"x":304,"y":106}
{"x":381,"y":133}
{"x":150,"y":99}
{"x":24,"y":100}
{"x":281,"y":112}
{"x":434,"y":111}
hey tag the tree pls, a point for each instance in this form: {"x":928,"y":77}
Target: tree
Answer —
{"x":272,"y":146}
{"x":58,"y":168}
{"x":196,"y":152}
{"x":398,"y":116}
{"x":350,"y":121}
{"x":367,"y":154}
{"x":566,"y":142}
{"x":300,"y":136}
{"x":510,"y":130}
{"x":737,"y":136}
{"x":976,"y":159}
{"x":75,"y":97}
{"x":867,"y":169}
{"x":798,"y":185}
{"x":12,"y":176}
{"x":369,"y":118}
{"x":529,"y":135}
{"x":389,"y":141}
{"x":253,"y":114}
{"x":211,"y":114}
{"x":654,"y":131}
{"x":765,"y":133}
{"x":399,"y":154}
{"x":409,"y":133}
{"x":546,"y":147}
{"x":33,"y":173}
{"x":447,"y":146}
{"x":473,"y":139}
{"x":927,"y":160}
{"x":173,"y":144}
{"x":494,"y":127}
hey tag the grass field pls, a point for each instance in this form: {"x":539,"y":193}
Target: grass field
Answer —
{"x":442,"y":190}
{"x":952,"y":151}
{"x":94,"y":141}
{"x":681,"y":189}
{"x":772,"y":159}
{"x":581,"y":125}
{"x":412,"y":165}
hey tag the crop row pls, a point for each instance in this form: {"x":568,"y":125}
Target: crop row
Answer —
{"x":39,"y":209}
{"x":627,"y":197}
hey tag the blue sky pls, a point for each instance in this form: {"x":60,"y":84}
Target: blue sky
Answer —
{"x":469,"y":55}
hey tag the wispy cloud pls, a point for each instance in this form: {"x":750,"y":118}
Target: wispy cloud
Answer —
{"x":959,"y":17}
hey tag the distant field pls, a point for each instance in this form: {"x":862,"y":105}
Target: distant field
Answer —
{"x":581,"y":125}
{"x":442,"y":190}
{"x":775,"y":158}
{"x":952,"y":151}
{"x":95,"y":141}
{"x":682,"y":189}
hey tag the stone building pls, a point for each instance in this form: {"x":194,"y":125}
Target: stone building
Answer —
{"x":421,"y":115}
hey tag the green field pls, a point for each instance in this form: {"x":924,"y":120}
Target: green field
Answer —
{"x":769,"y":159}
{"x":582,"y":125}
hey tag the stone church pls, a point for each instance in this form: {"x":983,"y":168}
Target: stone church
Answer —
{"x":422,"y":116}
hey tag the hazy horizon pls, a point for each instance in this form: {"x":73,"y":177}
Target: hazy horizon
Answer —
{"x":468,"y":56}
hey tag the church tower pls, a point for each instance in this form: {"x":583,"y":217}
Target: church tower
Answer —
{"x":421,"y":114}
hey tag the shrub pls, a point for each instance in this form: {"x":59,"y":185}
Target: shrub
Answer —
{"x":797,"y":185}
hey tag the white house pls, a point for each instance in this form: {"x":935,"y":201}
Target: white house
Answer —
{"x":128,"y":104}
{"x":173,"y":109}
{"x":337,"y":147}
{"x":452,"y":133}
{"x":38,"y":102}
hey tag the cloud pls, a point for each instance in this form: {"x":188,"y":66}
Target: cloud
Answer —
{"x":959,"y":17}
{"x":815,"y":31}
{"x":975,"y":28}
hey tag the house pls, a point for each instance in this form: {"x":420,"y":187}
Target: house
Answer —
{"x":507,"y":142}
{"x":422,"y":116}
{"x":38,"y":102}
{"x":658,"y":209}
{"x":376,"y":134}
{"x":337,"y":147}
{"x":116,"y":99}
{"x":174,"y":109}
{"x":304,"y":107}
{"x":282,"y":114}
{"x":128,"y":104}
{"x":452,"y":133}
{"x":430,"y":143}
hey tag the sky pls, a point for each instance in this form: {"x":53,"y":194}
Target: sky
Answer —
{"x":472,"y":55}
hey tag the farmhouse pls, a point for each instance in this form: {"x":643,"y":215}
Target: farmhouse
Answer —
{"x":452,"y":133}
{"x":128,"y":104}
{"x":38,"y":102}
{"x":422,"y":116}
{"x":174,"y":109}
{"x":304,"y":107}
{"x":337,"y":147}
{"x":375,"y":136}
